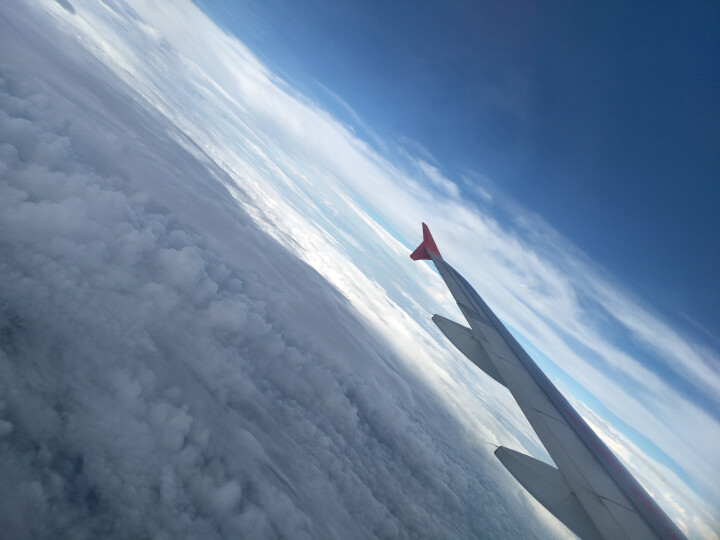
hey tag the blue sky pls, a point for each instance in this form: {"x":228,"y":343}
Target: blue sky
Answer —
{"x":602,"y":118}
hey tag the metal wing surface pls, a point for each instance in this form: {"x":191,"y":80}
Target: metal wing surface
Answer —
{"x":590,"y":491}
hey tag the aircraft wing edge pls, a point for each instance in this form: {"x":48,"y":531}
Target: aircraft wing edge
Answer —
{"x":552,"y":417}
{"x":463,"y":339}
{"x":547,"y":485}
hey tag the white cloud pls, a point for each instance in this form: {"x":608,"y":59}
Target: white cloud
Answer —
{"x":433,"y":174}
{"x":166,"y":368}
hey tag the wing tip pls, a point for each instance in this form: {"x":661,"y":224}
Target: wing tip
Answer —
{"x":427,"y":246}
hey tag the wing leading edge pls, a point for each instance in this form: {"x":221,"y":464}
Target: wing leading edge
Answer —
{"x":590,"y":492}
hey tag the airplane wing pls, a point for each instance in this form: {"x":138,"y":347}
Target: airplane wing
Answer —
{"x":590,"y":491}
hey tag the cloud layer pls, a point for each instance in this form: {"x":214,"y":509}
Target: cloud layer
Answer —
{"x":167,"y":369}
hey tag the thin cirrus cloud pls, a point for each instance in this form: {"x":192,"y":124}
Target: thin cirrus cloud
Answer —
{"x":313,"y":185}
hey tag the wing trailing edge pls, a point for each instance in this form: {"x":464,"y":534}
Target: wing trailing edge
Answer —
{"x":547,"y":485}
{"x":464,"y":341}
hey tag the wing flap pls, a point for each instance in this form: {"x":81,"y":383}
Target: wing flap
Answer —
{"x":464,"y":341}
{"x":488,"y":334}
{"x":545,"y":483}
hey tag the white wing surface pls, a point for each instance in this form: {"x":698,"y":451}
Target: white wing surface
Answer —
{"x":590,"y":491}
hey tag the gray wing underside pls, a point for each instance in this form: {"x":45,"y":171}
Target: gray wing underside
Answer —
{"x":589,"y":491}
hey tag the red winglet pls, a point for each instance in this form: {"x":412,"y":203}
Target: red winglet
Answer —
{"x":428,"y":245}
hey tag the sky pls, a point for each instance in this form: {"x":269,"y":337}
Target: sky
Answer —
{"x":602,"y":118}
{"x":210,"y":324}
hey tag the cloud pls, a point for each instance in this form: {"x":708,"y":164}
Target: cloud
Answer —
{"x":66,"y":5}
{"x":434,"y":175}
{"x":167,"y":369}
